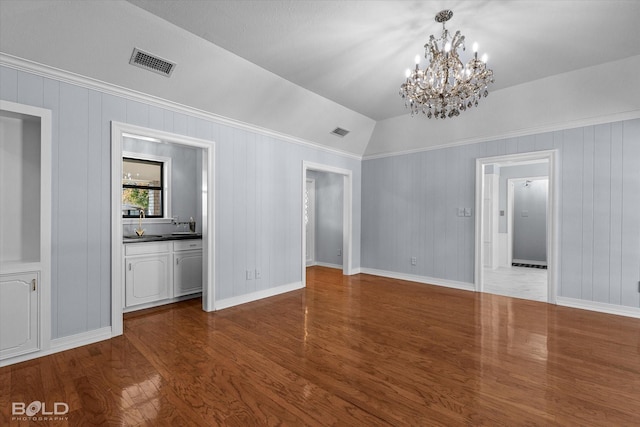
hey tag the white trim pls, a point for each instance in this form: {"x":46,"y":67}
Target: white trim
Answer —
{"x":63,"y":344}
{"x":258,"y":295}
{"x":208,"y":215}
{"x":553,"y":230}
{"x":347,"y":215}
{"x":325,"y":264}
{"x":464,"y":286}
{"x":131,"y":94}
{"x":551,"y":127}
{"x":618,"y":310}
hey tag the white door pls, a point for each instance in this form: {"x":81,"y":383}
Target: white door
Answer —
{"x":18,"y":314}
{"x":309,"y":219}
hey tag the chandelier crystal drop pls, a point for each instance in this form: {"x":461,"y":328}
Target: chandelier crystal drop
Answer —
{"x":446,"y":87}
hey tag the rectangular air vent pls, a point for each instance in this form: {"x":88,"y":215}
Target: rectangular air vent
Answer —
{"x":152,"y":63}
{"x":339,"y":132}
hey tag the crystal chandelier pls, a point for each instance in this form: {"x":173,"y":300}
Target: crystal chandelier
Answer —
{"x":446,"y":87}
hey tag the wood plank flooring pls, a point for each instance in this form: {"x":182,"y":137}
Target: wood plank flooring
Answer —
{"x":347,"y":351}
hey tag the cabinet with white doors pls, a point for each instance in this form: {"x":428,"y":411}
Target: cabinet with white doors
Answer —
{"x":25,"y":231}
{"x":161,"y":272}
{"x":187,"y":267}
{"x":19,"y":308}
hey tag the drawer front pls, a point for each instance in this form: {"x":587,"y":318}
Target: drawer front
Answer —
{"x":186,"y":245}
{"x":147,"y":248}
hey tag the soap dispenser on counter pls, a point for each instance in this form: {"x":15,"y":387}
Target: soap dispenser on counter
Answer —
{"x":192,"y":225}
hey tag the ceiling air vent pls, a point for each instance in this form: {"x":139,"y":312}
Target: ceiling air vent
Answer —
{"x":152,"y":63}
{"x":339,"y":132}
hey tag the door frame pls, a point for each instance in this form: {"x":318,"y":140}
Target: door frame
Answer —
{"x":553,"y":252}
{"x":208,"y":215}
{"x":347,"y":216}
{"x":312,"y":206}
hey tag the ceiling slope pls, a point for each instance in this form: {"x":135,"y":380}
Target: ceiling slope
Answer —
{"x":95,"y":39}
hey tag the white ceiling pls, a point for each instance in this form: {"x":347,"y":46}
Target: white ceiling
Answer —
{"x":356,"y":52}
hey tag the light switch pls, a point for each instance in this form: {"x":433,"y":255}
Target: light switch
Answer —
{"x":467,"y":211}
{"x":460,"y":211}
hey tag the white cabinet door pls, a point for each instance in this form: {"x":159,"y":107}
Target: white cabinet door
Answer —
{"x":187,"y":273}
{"x":18,"y":314}
{"x":147,"y":279}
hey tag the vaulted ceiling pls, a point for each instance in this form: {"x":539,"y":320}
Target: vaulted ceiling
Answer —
{"x":304,"y":67}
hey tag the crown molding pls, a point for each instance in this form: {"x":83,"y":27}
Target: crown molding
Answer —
{"x":42,"y":70}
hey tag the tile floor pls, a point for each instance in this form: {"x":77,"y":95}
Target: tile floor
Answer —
{"x":517,"y":282}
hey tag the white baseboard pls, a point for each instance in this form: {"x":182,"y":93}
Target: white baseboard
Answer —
{"x":254,"y":296}
{"x":326,"y":264}
{"x":602,"y":307}
{"x":64,"y":343}
{"x":420,"y":279}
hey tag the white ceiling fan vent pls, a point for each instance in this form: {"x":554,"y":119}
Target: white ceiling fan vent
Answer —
{"x":339,"y":132}
{"x":152,"y":63}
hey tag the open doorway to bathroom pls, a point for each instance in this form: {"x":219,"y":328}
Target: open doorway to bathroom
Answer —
{"x":516,"y":226}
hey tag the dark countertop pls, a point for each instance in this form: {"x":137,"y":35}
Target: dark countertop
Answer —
{"x":160,"y":237}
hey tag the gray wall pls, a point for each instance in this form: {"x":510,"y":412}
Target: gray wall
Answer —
{"x":185,"y":186}
{"x":329,"y":221}
{"x":409,"y":207}
{"x":530,"y":221}
{"x":258,"y":196}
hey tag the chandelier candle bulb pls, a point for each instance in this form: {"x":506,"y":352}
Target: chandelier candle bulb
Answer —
{"x":446,"y":86}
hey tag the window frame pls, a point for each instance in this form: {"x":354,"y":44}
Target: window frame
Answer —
{"x":165,"y":187}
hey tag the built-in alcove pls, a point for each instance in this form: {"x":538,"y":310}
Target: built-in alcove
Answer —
{"x":19,"y":188}
{"x":25,"y":231}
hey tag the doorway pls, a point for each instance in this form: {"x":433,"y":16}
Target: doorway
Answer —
{"x":345,"y":246}
{"x":119,"y":131}
{"x":516,"y":242}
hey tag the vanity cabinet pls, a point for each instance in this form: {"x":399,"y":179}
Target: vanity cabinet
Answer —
{"x":158,"y":272}
{"x":187,"y":267}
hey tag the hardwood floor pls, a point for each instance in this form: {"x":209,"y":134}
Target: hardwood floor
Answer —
{"x":349,"y":351}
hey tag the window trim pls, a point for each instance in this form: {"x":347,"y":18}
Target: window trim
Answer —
{"x":166,"y":188}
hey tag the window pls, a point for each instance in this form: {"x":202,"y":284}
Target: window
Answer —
{"x":142,"y":188}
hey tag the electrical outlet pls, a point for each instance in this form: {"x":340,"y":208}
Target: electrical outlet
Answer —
{"x":249,"y":275}
{"x":258,"y":274}
{"x":414,"y":261}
